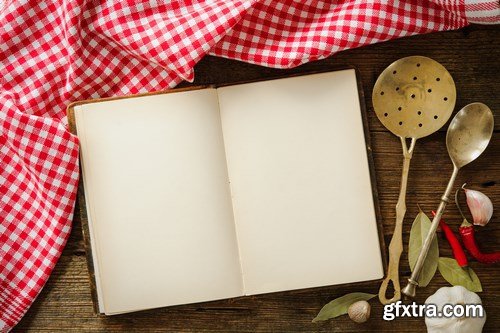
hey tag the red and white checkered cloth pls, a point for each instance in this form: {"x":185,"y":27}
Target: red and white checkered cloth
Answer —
{"x":54,"y":52}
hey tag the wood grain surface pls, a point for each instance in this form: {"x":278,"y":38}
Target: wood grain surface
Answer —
{"x":472,"y":56}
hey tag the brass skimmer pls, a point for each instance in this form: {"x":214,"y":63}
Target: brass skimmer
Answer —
{"x":413,"y":98}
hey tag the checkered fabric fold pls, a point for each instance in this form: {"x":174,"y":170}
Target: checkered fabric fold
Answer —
{"x":54,"y":52}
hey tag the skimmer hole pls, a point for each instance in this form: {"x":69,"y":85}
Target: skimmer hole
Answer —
{"x":419,"y":113}
{"x":419,"y":125}
{"x":382,"y":93}
{"x":400,"y":123}
{"x":412,"y":95}
{"x":429,"y":90}
{"x":436,"y":117}
{"x":397,"y":88}
{"x":446,"y":98}
{"x":438,"y":79}
{"x":418,"y":65}
{"x":414,"y":78}
{"x":400,"y":108}
{"x":386,"y":114}
{"x":394,"y":72}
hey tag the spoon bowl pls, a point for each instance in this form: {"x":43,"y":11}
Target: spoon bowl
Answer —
{"x":469,"y":133}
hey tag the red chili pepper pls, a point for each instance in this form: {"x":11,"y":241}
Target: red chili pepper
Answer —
{"x":469,"y":240}
{"x":456,"y":247}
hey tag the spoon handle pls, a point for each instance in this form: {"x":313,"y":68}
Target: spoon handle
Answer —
{"x":411,"y":288}
{"x":396,"y":245}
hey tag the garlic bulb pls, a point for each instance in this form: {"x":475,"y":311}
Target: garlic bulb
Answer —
{"x":480,"y":206}
{"x":456,"y":295}
{"x":359,"y":311}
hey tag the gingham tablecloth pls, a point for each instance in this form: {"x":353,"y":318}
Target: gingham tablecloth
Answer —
{"x":54,"y":52}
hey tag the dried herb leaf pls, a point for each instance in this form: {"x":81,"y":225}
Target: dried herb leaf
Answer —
{"x":339,"y":306}
{"x":418,"y":233}
{"x":457,"y":276}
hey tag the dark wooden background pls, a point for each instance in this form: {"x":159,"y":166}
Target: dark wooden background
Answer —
{"x":472,"y":56}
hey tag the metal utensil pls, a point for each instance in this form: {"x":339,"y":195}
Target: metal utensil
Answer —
{"x":413,"y":97}
{"x":468,"y":136}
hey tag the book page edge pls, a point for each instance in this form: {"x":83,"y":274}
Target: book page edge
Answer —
{"x":78,"y":116}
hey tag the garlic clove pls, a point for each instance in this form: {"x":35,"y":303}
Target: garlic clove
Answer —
{"x":452,"y":296}
{"x":480,"y":207}
{"x":359,"y":311}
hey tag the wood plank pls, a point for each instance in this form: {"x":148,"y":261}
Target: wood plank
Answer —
{"x":67,"y":296}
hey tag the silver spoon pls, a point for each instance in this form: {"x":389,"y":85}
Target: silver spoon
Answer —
{"x":468,"y":136}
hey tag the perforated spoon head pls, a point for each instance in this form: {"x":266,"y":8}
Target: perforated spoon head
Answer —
{"x":414,"y":97}
{"x":469,"y":133}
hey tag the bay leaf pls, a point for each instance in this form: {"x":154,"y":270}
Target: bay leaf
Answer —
{"x":339,"y":306}
{"x":418,"y":233}
{"x":457,"y":276}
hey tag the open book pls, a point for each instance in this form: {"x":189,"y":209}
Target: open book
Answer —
{"x":214,"y":193}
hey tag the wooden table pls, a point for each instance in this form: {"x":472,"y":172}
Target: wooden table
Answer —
{"x":472,"y":56}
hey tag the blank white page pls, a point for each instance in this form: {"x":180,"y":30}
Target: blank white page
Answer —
{"x":158,"y":201}
{"x":300,"y":182}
